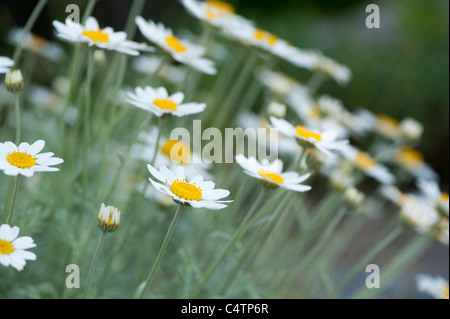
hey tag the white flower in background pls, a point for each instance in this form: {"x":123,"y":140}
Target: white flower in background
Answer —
{"x":158,"y":102}
{"x":324,"y":141}
{"x":431,"y":193}
{"x":195,"y":192}
{"x":271,"y":173}
{"x":276,"y":82}
{"x":49,"y":50}
{"x":411,"y":129}
{"x":5,"y":64}
{"x":387,"y":127}
{"x":218,"y":14}
{"x":368,"y":165}
{"x":180,"y":50}
{"x":435,"y":286}
{"x":25,"y":159}
{"x":419,"y":215}
{"x":150,"y":64}
{"x":269,"y":43}
{"x":363,"y":122}
{"x":286,"y":145}
{"x":13,"y":249}
{"x":93,"y":35}
{"x":162,"y":199}
{"x":171,"y":154}
{"x":317,"y":61}
{"x":413,"y":161}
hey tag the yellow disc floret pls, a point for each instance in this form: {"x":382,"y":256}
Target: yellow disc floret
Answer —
{"x":6,"y":247}
{"x":272,"y":176}
{"x":185,"y":190}
{"x":175,"y":44}
{"x":302,"y":132}
{"x":165,"y":104}
{"x":96,"y":36}
{"x":21,"y":160}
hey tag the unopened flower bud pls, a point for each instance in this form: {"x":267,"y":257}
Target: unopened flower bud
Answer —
{"x":14,"y":81}
{"x":353,"y":197}
{"x":108,"y":218}
{"x":411,"y":129}
{"x":276,"y":109}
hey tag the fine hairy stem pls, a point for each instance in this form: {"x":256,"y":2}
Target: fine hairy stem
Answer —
{"x":94,"y":261}
{"x":162,"y":250}
{"x":13,"y":200}
{"x":162,"y":121}
{"x":18,"y":122}
{"x":245,"y":224}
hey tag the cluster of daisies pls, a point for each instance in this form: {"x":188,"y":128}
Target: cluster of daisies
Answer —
{"x":313,"y":132}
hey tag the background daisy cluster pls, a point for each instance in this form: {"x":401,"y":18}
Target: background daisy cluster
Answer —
{"x":379,"y":173}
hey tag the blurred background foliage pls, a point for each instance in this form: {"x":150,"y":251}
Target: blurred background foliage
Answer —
{"x":400,"y":69}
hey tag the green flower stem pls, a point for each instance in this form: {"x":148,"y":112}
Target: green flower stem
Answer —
{"x":228,"y":105}
{"x":161,"y":251}
{"x":135,"y":10}
{"x":18,"y":122}
{"x":244,"y":226}
{"x":161,"y":124}
{"x":93,"y":263}
{"x":247,"y":255}
{"x":296,"y":164}
{"x":407,"y":256}
{"x":312,"y":254}
{"x":363,"y":261}
{"x":13,"y":200}
{"x":27,"y":28}
{"x":316,"y":81}
{"x":88,"y":10}
{"x":87,"y":119}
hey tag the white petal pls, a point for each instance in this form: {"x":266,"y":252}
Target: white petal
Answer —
{"x":36,"y":147}
{"x":24,"y":242}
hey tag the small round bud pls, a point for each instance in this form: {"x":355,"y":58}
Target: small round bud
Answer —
{"x":276,"y":109}
{"x":353,"y":197}
{"x":108,"y":218}
{"x":14,"y":81}
{"x":411,"y":129}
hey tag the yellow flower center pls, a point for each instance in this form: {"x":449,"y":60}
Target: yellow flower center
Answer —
{"x":218,"y":8}
{"x":185,"y":190}
{"x":265,"y":36}
{"x":272,"y":176}
{"x":96,"y":36}
{"x":175,"y":44}
{"x":302,"y":132}
{"x":165,"y":104}
{"x":184,"y":152}
{"x":314,"y":112}
{"x":446,"y":291}
{"x":6,"y":247}
{"x":21,"y":160}
{"x":444,"y":197}
{"x":364,"y":161}
{"x":410,"y":158}
{"x":387,"y":125}
{"x":37,"y":43}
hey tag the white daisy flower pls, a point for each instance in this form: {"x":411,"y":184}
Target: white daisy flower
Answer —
{"x":326,"y":141}
{"x":277,"y":82}
{"x":218,"y":14}
{"x":195,"y":192}
{"x":93,"y":35}
{"x":315,"y":60}
{"x":271,"y":173}
{"x":37,"y":44}
{"x":25,"y":159}
{"x":432,"y":194}
{"x":181,"y":51}
{"x":413,"y":162}
{"x":387,"y":127}
{"x":5,"y":64}
{"x":160,"y":103}
{"x":171,"y":154}
{"x":436,"y":286}
{"x":13,"y":249}
{"x":267,"y":42}
{"x":368,"y":165}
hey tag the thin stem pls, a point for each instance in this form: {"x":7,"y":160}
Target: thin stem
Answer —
{"x":27,"y":28}
{"x":88,"y":10}
{"x":18,"y":122}
{"x":162,"y":121}
{"x":13,"y":200}
{"x":94,"y":261}
{"x":316,"y":81}
{"x":161,"y":251}
{"x":244,"y":226}
{"x":366,"y":259}
{"x":87,"y":120}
